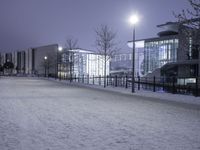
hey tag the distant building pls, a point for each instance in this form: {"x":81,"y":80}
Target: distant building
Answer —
{"x":65,"y":63}
{"x":30,"y":61}
{"x":81,"y":62}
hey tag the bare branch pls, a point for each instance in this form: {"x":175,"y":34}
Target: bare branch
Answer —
{"x":71,"y":43}
{"x":189,"y":21}
{"x":105,"y":41}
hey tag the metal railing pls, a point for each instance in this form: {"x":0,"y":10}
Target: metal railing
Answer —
{"x":154,"y":84}
{"x":171,"y":85}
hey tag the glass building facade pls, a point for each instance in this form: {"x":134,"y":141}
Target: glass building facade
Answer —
{"x":158,"y":52}
{"x":82,"y":62}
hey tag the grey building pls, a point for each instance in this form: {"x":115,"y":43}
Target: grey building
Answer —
{"x":31,"y":61}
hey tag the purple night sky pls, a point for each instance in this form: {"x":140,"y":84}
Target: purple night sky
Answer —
{"x":32,"y":23}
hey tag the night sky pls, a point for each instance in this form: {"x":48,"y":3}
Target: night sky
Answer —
{"x":32,"y":23}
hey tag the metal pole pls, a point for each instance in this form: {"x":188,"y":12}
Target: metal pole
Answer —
{"x":133,"y":62}
{"x":116,"y":81}
{"x":56,"y":72}
{"x":45,"y":71}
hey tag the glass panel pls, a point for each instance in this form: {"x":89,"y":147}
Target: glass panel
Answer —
{"x":158,"y":53}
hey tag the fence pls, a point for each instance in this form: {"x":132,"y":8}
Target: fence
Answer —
{"x":189,"y":86}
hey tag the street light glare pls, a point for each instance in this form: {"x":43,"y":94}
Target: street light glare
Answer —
{"x":134,"y":19}
{"x":45,"y":57}
{"x":60,"y":48}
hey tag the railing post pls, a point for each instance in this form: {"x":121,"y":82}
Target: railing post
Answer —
{"x":75,"y":77}
{"x":104,"y":81}
{"x":197,"y":87}
{"x":126,"y":86}
{"x":116,"y":81}
{"x":138,"y":83}
{"x":99,"y":79}
{"x":154,"y":84}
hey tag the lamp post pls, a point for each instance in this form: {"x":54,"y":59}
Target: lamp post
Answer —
{"x":45,"y":65}
{"x":58,"y":69}
{"x":133,"y":21}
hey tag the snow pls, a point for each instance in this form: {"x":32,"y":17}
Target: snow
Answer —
{"x":38,"y":114}
{"x":158,"y":95}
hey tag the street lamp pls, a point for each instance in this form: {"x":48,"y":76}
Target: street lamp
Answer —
{"x":60,"y":48}
{"x":58,"y":51}
{"x":133,"y":21}
{"x":45,"y":65}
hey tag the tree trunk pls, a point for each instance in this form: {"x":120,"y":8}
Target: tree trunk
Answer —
{"x":105,"y":71}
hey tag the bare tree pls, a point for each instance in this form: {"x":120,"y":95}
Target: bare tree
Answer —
{"x":106,"y":45}
{"x":71,"y":44}
{"x":189,"y":21}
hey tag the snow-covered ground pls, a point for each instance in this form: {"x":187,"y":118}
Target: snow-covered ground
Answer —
{"x":39,"y":114}
{"x":158,"y":95}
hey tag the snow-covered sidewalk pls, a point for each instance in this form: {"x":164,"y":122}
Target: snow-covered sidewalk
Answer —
{"x":159,"y":95}
{"x":38,"y":114}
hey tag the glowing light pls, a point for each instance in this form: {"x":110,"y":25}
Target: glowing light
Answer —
{"x":60,"y":48}
{"x":134,"y":19}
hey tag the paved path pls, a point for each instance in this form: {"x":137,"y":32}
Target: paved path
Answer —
{"x":46,"y":115}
